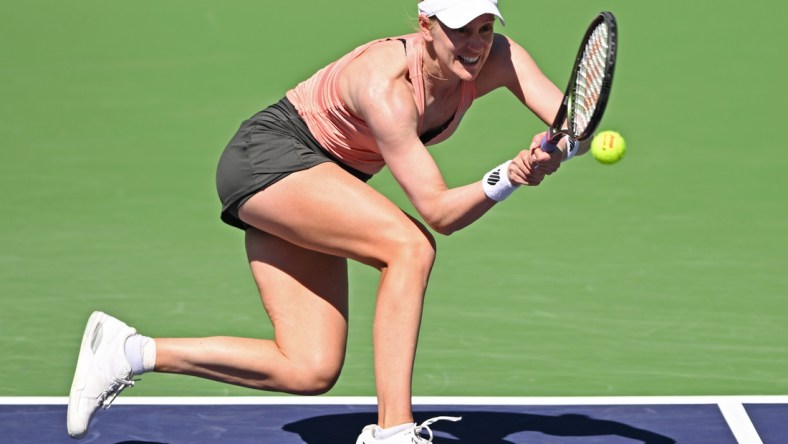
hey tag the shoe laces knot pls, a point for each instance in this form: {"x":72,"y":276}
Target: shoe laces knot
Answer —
{"x":106,"y":398}
{"x":425,"y":426}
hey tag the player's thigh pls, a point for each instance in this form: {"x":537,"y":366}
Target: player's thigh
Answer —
{"x":326,"y":209}
{"x":305,"y":293}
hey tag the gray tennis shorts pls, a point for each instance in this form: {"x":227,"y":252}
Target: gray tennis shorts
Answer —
{"x":267,"y":147}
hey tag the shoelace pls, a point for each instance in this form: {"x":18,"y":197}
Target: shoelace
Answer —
{"x":106,"y":399}
{"x":426,"y":427}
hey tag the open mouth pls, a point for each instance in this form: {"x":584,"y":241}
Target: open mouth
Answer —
{"x":468,"y":60}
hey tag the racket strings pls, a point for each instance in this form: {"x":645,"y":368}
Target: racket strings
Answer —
{"x":590,"y":76}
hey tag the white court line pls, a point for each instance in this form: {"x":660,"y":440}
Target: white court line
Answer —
{"x":739,"y":422}
{"x":418,"y":400}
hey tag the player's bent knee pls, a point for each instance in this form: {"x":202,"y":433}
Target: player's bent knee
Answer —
{"x":314,"y":373}
{"x":424,"y":252}
{"x":419,"y":253}
{"x":315,"y":381}
{"x":412,"y":246}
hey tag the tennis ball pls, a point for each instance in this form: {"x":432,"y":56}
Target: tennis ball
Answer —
{"x":608,"y":147}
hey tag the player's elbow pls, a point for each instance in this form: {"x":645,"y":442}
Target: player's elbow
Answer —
{"x":439,"y":220}
{"x":443,"y":228}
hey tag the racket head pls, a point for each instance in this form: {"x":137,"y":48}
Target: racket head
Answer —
{"x":589,"y":85}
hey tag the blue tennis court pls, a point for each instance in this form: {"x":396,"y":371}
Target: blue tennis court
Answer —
{"x":336,"y":420}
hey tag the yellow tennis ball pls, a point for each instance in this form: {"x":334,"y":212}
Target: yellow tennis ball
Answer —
{"x":608,"y":147}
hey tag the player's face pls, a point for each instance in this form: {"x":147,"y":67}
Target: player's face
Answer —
{"x":464,"y":50}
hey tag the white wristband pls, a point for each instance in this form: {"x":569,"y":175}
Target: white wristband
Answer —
{"x":572,"y":146}
{"x":496,"y":183}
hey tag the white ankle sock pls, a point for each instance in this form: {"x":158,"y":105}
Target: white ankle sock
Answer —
{"x":141,"y":353}
{"x":391,"y":431}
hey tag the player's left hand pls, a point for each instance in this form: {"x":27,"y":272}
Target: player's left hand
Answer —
{"x":547,"y":163}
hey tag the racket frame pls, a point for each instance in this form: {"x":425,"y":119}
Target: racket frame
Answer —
{"x":557,"y":130}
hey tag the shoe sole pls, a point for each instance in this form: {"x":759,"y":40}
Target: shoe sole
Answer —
{"x":84,"y":361}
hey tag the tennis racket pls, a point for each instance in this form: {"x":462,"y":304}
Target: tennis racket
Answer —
{"x":589,"y":85}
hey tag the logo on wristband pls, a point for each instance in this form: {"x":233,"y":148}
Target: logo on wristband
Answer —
{"x":495,"y":177}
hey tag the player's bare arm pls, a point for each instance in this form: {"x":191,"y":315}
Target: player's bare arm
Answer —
{"x":511,"y":66}
{"x":384,"y":99}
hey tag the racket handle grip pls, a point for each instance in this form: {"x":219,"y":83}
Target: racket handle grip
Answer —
{"x":547,"y":146}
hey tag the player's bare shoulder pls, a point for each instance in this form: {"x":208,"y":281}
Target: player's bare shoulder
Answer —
{"x":379,"y":70}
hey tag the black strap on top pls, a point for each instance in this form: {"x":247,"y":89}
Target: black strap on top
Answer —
{"x":431,"y":133}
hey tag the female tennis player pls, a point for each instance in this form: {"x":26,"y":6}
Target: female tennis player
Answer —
{"x":293,"y":178}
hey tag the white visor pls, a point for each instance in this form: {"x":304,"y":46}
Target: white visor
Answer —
{"x":458,"y":13}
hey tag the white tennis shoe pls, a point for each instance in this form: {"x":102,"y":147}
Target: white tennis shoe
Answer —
{"x":102,"y":370}
{"x":411,"y":435}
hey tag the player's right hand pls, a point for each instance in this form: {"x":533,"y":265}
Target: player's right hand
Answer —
{"x":531,"y":166}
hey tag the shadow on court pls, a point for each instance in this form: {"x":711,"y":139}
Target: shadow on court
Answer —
{"x":477,"y":427}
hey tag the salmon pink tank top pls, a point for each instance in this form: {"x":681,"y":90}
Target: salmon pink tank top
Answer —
{"x":344,"y":135}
